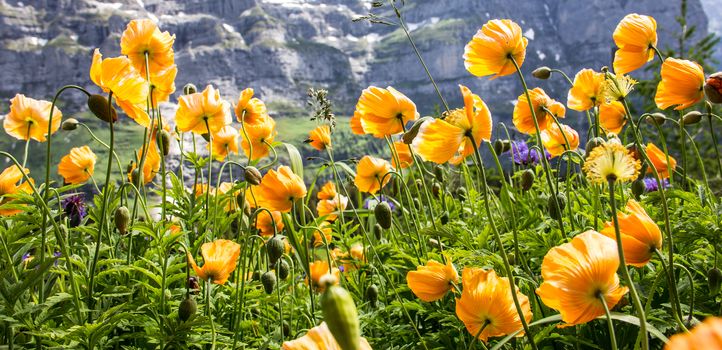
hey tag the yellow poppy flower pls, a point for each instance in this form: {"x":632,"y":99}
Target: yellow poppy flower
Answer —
{"x":578,"y":274}
{"x":554,"y":141}
{"x":262,"y":130}
{"x":356,"y":126}
{"x":489,"y":51}
{"x":682,"y":84}
{"x":9,"y":179}
{"x":265,"y":221}
{"x":659,"y":161}
{"x":640,"y":234}
{"x":151,"y":165}
{"x":320,"y":137}
{"x":142,"y":36}
{"x":385,"y":111}
{"x":486,"y":301}
{"x":163,"y":84}
{"x":328,"y":207}
{"x":432,"y":281}
{"x":77,"y":166}
{"x":635,"y":36}
{"x":279,"y":189}
{"x":323,"y":235}
{"x":404,"y":154}
{"x":612,"y":117}
{"x":225,"y":142}
{"x":249,"y":109}
{"x":319,"y":268}
{"x":130,"y":90}
{"x":202,"y":112}
{"x":370,"y":172}
{"x":29,"y":119}
{"x":319,"y":338}
{"x":611,"y":160}
{"x":543,"y":106}
{"x":219,"y":260}
{"x":705,"y":336}
{"x":587,"y":90}
{"x":328,"y":191}
{"x":449,"y":139}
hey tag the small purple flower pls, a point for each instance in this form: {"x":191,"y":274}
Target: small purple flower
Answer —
{"x":522,"y":155}
{"x":74,"y":208}
{"x":371,"y":202}
{"x":56,"y":255}
{"x":27,"y":256}
{"x":650,"y":184}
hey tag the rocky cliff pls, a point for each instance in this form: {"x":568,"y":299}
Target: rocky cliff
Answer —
{"x":281,"y":47}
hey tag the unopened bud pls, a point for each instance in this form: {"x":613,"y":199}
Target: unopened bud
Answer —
{"x":556,"y":205}
{"x":436,"y":189}
{"x":461,"y":193}
{"x":122,"y":217}
{"x":252,"y":175}
{"x":439,"y":173}
{"x":339,"y":312}
{"x":409,"y":136}
{"x":70,"y":124}
{"x":382,"y":212}
{"x":691,"y":118}
{"x":501,"y":146}
{"x":164,"y":142}
{"x":656,"y":118}
{"x":527,"y":179}
{"x":275,"y":248}
{"x":714,"y":280}
{"x":268,"y":280}
{"x":593,"y":143}
{"x":542,"y":73}
{"x":372,"y":294}
{"x":189,"y":89}
{"x":187,"y":309}
{"x":638,"y":188}
{"x":283,"y":269}
{"x":98,"y":104}
{"x":713,"y":88}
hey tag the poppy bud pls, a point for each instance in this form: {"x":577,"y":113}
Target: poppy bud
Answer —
{"x":656,"y":118}
{"x":189,"y":89}
{"x":436,"y":189}
{"x":461,"y":193}
{"x":275,"y":248}
{"x":638,"y":188}
{"x":382,"y":212}
{"x":434,"y":243}
{"x":714,"y":280}
{"x":339,"y":312}
{"x":378,"y":231}
{"x":501,"y":146}
{"x":409,"y":136}
{"x":135,"y":177}
{"x":417,"y":204}
{"x":252,"y":175}
{"x":593,"y":143}
{"x":70,"y":124}
{"x":187,"y":309}
{"x":419,"y":184}
{"x":691,"y":118}
{"x":439,"y":173}
{"x":268,"y":280}
{"x":100,"y":108}
{"x":561,"y":200}
{"x":527,"y":179}
{"x":444,"y":218}
{"x":164,"y":142}
{"x":372,"y":294}
{"x":713,"y":88}
{"x":282,"y":268}
{"x":122,"y":217}
{"x":542,"y":73}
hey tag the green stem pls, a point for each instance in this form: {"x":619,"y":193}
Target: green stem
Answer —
{"x":610,"y":324}
{"x":476,"y":336}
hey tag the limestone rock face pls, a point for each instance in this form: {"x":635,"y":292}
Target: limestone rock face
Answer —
{"x":282,"y":47}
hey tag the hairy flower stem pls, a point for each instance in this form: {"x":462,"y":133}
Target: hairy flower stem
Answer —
{"x":625,"y":273}
{"x":610,"y":324}
{"x":542,"y":155}
{"x":103,"y":211}
{"x":476,"y":336}
{"x":210,"y":169}
{"x":497,"y":237}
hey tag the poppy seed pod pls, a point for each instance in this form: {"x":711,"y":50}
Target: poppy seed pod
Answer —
{"x":69,"y":124}
{"x":372,"y":294}
{"x":275,"y":248}
{"x":527,"y":179}
{"x":164,"y":142}
{"x":542,"y":73}
{"x":268,"y":280}
{"x":713,"y":88}
{"x":593,"y":143}
{"x":339,"y":312}
{"x":189,"y":89}
{"x":409,"y":136}
{"x":501,"y":146}
{"x":283,"y":269}
{"x":461,"y":193}
{"x":187,"y":309}
{"x":656,"y":118}
{"x":382,"y":212}
{"x":98,"y":104}
{"x":378,"y":231}
{"x":252,"y":175}
{"x":638,"y":188}
{"x":714,"y":280}
{"x":561,"y":200}
{"x":691,"y":118}
{"x":122,"y":217}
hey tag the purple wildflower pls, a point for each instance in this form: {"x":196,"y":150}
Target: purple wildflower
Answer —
{"x":523,"y":155}
{"x":74,"y":208}
{"x":650,"y":184}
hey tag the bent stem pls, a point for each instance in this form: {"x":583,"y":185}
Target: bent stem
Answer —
{"x":610,"y":325}
{"x":625,"y":272}
{"x":476,"y":337}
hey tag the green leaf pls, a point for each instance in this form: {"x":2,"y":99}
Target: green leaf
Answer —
{"x":296,"y":159}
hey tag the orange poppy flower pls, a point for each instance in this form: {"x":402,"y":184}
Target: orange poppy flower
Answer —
{"x":319,"y":338}
{"x":9,"y":179}
{"x":319,"y":268}
{"x":225,"y":142}
{"x":280,"y":189}
{"x":142,"y":36}
{"x":404,"y":154}
{"x":29,"y":119}
{"x":432,"y":281}
{"x":320,"y":137}
{"x":357,"y":252}
{"x":356,"y":127}
{"x":705,"y":336}
{"x":449,"y":139}
{"x":543,"y":106}
{"x":554,"y":142}
{"x":486,"y":301}
{"x":77,"y":166}
{"x":659,"y":161}
{"x":640,"y":234}
{"x":200,"y":189}
{"x":219,"y":260}
{"x":130,"y":90}
{"x":328,"y":191}
{"x":226,"y":188}
{"x":577,"y":274}
{"x":263,"y":130}
{"x":265,"y":221}
{"x":385,"y":111}
{"x":151,"y":165}
{"x":163,"y":84}
{"x":587,"y":90}
{"x":612,"y":116}
{"x":195,"y":110}
{"x":682,"y":84}
{"x":328,"y":207}
{"x":488,"y":51}
{"x":370,"y":171}
{"x":249,"y":109}
{"x":319,"y":239}
{"x":635,"y":36}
